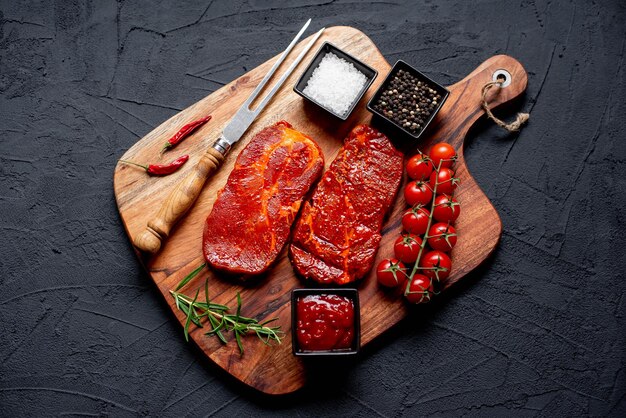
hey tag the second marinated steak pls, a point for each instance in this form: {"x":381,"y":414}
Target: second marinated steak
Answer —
{"x":337,"y":235}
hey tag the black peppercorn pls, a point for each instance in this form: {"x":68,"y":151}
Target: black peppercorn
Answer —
{"x":408,"y":101}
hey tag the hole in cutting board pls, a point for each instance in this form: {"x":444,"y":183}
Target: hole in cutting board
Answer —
{"x":502,"y":73}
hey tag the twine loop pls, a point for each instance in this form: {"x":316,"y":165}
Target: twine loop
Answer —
{"x":520,"y":119}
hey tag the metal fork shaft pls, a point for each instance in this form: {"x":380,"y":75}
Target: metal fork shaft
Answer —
{"x":271,"y":72}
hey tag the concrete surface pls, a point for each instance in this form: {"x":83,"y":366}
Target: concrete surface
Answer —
{"x":539,"y":330}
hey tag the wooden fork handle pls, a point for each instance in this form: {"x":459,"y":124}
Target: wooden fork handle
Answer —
{"x":179,"y":201}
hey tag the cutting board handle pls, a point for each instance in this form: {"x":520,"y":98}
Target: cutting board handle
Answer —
{"x":463,"y":106}
{"x":178,"y":202}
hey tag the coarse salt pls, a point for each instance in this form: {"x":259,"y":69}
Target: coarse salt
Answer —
{"x":335,"y":84}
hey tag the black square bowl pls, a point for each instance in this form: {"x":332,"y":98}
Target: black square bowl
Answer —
{"x":351,"y":294}
{"x":401,"y":65}
{"x":327,"y":47}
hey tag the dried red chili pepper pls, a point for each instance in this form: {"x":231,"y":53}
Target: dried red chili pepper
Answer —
{"x":161,"y":169}
{"x":184,"y":132}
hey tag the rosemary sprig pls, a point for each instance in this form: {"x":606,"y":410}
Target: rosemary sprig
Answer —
{"x":218,"y":317}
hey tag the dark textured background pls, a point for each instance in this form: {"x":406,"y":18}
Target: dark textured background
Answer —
{"x":539,"y":330}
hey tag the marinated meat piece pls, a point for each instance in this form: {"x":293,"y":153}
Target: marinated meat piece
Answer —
{"x":252,"y":216}
{"x":337,"y":235}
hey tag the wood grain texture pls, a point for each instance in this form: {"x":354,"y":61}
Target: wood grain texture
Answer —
{"x":274,"y":370}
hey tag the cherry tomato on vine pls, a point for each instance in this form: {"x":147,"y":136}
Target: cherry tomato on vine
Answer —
{"x":407,"y":248}
{"x":438,"y":264}
{"x":442,"y":237}
{"x":420,"y":289}
{"x":417,"y":193}
{"x":446,"y":182}
{"x":391,"y":272}
{"x":447,"y":209}
{"x":415,"y":220}
{"x":419,"y":167}
{"x":444,"y":153}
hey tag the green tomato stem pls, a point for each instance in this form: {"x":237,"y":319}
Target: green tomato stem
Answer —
{"x":416,"y":266}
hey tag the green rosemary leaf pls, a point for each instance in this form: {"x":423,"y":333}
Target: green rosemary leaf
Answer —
{"x":238,"y":305}
{"x":175,"y":295}
{"x":246,"y":320}
{"x":188,"y":322}
{"x":189,"y":277}
{"x":196,"y":319}
{"x":211,"y":306}
{"x":230,"y":322}
{"x":206,"y":291}
{"x":269,"y":321}
{"x":238,"y":338}
{"x":216,"y":329}
{"x":217,"y":325}
{"x":183,"y":305}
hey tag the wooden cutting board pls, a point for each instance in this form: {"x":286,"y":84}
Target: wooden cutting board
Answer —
{"x":274,"y":370}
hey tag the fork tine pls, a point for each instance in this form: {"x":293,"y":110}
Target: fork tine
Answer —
{"x":271,"y":72}
{"x":287,"y":73}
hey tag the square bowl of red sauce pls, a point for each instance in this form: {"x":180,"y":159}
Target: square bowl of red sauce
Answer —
{"x":325,"y":322}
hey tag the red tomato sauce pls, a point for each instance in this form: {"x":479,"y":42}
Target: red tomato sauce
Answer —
{"x":325,"y":322}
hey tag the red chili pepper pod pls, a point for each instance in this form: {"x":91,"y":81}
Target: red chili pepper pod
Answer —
{"x":161,"y":169}
{"x":184,"y":132}
{"x":165,"y":169}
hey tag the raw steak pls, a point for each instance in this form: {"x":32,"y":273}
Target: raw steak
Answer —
{"x":337,"y":235}
{"x":252,"y":216}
